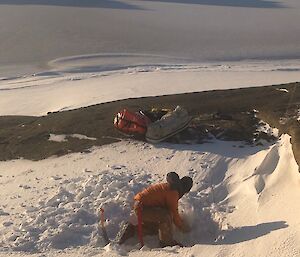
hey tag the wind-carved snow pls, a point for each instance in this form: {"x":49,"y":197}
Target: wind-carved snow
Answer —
{"x":266,"y":168}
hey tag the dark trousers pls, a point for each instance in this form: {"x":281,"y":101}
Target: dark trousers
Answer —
{"x":158,"y":220}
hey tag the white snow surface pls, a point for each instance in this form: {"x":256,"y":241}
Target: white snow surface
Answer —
{"x":80,"y":81}
{"x":64,"y":138}
{"x":57,"y":138}
{"x":242,"y":202}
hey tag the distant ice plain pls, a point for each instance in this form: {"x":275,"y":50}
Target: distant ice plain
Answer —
{"x":34,"y":32}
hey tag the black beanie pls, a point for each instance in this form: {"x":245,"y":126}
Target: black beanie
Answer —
{"x":173,"y":180}
{"x":186,"y":184}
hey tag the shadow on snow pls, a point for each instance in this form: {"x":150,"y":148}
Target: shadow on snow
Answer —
{"x":110,"y":4}
{"x":114,"y":4}
{"x":228,"y":149}
{"x":230,"y":3}
{"x":242,"y":234}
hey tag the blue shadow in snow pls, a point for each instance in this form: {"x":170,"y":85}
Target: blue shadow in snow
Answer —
{"x":247,"y":233}
{"x":232,"y":149}
{"x":110,"y":4}
{"x":230,"y":3}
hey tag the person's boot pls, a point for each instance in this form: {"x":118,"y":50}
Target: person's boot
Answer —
{"x":127,"y":231}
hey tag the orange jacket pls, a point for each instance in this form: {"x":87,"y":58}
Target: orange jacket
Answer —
{"x":161,"y":195}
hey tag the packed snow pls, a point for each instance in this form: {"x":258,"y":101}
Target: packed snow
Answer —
{"x":237,"y":199}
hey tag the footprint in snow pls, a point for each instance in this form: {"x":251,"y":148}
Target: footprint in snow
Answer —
{"x":204,"y":166}
{"x":12,"y":238}
{"x":29,"y":171}
{"x":7,"y":223}
{"x":24,"y":187}
{"x":117,"y":167}
{"x":56,"y":177}
{"x":87,"y":170}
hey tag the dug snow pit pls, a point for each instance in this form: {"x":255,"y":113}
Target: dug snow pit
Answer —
{"x":70,"y":217}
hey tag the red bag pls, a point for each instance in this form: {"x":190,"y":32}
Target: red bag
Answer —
{"x":131,"y":123}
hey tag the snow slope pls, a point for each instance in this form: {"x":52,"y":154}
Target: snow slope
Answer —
{"x":243,"y":200}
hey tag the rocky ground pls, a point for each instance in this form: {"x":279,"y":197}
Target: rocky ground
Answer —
{"x":225,"y":114}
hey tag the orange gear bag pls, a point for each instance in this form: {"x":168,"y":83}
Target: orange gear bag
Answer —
{"x":131,"y":123}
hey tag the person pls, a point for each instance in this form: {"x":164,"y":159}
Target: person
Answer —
{"x":159,"y":209}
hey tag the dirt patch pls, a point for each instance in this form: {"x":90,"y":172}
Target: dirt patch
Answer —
{"x":225,"y":114}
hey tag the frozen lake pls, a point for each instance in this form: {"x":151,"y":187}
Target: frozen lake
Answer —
{"x":34,"y":32}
